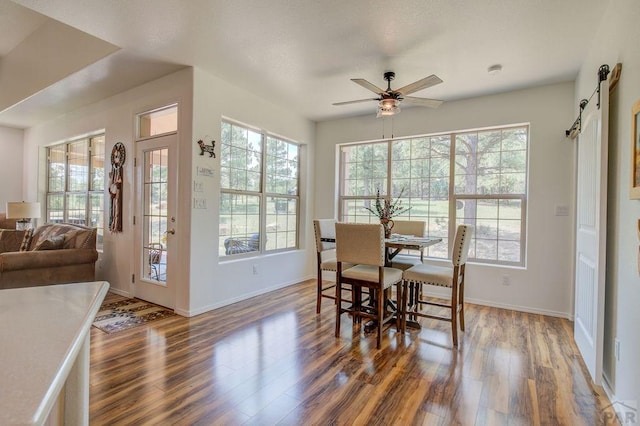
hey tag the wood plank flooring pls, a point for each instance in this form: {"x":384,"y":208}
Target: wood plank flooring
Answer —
{"x":271,"y":360}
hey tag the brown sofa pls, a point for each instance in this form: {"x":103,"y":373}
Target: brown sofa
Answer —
{"x":57,"y":253}
{"x":7,"y":223}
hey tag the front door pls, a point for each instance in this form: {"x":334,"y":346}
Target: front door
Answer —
{"x":155,"y":221}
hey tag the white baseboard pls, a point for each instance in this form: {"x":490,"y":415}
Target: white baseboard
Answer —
{"x":518,"y":308}
{"x":120,"y":292}
{"x":201,"y":310}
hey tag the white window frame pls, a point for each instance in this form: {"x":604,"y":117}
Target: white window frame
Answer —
{"x":453,"y":196}
{"x":263,"y":197}
{"x":88,"y":192}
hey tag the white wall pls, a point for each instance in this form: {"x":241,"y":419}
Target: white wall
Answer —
{"x":544,"y":286}
{"x":11,"y":166}
{"x":617,"y":41}
{"x":214,"y":283}
{"x":116,"y":115}
{"x":204,"y":283}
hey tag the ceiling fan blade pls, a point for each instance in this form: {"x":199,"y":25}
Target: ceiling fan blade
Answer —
{"x":355,"y":102}
{"x":369,"y":86}
{"x":432,"y":80}
{"x":431,"y":103}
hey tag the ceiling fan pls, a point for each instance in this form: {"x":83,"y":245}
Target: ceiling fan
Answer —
{"x":389,"y":100}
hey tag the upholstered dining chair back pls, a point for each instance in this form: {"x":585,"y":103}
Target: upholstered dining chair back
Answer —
{"x":360,"y":243}
{"x":460,"y":251}
{"x":409,"y":227}
{"x":326,"y":259}
{"x":324,"y":228}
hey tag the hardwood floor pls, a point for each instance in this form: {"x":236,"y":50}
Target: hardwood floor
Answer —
{"x":272,"y":360}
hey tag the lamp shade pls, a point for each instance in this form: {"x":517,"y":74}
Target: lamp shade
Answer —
{"x":23,"y":210}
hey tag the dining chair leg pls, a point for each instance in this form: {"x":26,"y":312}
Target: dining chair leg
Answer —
{"x":414,"y":301}
{"x":454,"y":315}
{"x":405,"y":290}
{"x":380,"y":309}
{"x":338,"y":305}
{"x":357,"y":304}
{"x":319,"y":293}
{"x":399,"y":309}
{"x":461,"y":302}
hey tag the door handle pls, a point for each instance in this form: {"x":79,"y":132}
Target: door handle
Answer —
{"x":171,"y":231}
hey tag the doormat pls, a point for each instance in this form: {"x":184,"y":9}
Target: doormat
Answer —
{"x":128,"y":313}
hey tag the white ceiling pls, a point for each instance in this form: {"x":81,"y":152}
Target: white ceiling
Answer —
{"x":302,"y":53}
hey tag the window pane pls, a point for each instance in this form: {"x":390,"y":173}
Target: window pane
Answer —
{"x":491,"y":162}
{"x":55,"y":208}
{"x":241,"y":159}
{"x":97,"y":163}
{"x":158,"y":122}
{"x":282,"y":167}
{"x":77,"y":208}
{"x":365,"y":166}
{"x":78,"y":166}
{"x":57,"y":168}
{"x":498,"y":225}
{"x":239,"y":224}
{"x":282,"y":226}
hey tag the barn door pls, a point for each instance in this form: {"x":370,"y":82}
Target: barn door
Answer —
{"x":591,"y":228}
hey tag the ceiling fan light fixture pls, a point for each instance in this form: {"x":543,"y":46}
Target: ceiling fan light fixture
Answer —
{"x":388,"y":107}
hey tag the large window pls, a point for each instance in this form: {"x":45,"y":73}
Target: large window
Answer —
{"x":475,"y":177}
{"x":259,"y":198}
{"x":75,"y":183}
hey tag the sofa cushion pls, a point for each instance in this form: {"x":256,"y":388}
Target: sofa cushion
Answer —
{"x":51,"y":243}
{"x":11,"y":240}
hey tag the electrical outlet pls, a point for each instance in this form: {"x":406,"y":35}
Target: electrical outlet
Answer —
{"x":617,"y":349}
{"x":505,"y":280}
{"x":255,"y":269}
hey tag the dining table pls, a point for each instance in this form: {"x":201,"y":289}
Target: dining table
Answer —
{"x":395,"y":244}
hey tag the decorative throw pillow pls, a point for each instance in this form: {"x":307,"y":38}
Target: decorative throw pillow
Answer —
{"x":51,"y":243}
{"x":26,"y":240}
{"x":74,"y":239}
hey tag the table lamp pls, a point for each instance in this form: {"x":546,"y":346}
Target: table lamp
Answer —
{"x":24,"y":213}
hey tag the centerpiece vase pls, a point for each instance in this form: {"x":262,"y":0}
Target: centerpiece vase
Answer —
{"x":387,"y":224}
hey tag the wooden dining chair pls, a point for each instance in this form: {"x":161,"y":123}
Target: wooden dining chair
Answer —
{"x":363,"y":245}
{"x":325,"y":229}
{"x":415,"y":228}
{"x":452,"y":277}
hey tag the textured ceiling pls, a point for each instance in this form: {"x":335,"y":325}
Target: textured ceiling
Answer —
{"x":303,"y":53}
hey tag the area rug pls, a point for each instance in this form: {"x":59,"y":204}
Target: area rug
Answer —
{"x":128,"y":313}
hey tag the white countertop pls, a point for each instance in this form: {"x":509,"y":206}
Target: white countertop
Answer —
{"x":41,"y":332}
